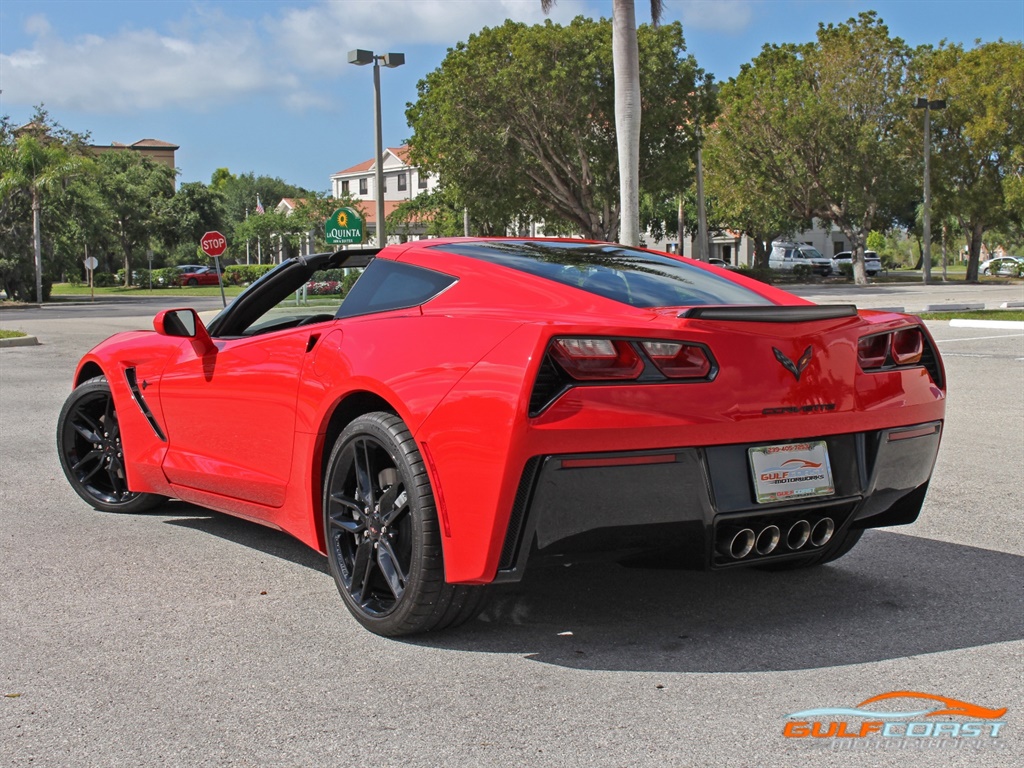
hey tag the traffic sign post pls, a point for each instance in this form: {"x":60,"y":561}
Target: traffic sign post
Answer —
{"x":90,"y":265}
{"x":213,"y":244}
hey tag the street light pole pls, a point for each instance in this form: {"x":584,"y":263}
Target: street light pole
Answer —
{"x":391,"y":60}
{"x":926,"y":214}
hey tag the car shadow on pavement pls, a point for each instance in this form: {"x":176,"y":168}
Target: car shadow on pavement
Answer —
{"x":893,"y":596}
{"x":248,"y":534}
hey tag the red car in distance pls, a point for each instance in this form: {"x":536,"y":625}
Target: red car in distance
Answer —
{"x":194,"y":274}
{"x":470,"y":405}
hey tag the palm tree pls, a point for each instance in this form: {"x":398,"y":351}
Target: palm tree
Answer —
{"x":34,"y":166}
{"x":626,"y":62}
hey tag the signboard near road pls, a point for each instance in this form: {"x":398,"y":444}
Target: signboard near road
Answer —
{"x":213,"y":244}
{"x":344,"y":227}
{"x":90,"y":266}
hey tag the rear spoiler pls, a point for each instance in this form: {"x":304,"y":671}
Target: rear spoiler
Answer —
{"x":771,"y":314}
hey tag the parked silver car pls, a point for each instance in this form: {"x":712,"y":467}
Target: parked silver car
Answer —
{"x":1002,"y":265}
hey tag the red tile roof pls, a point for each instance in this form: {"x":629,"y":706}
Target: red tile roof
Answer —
{"x":402,"y":153}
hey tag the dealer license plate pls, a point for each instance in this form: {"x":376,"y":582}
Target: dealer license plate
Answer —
{"x":790,"y":472}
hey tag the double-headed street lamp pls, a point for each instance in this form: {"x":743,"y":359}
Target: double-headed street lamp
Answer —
{"x":926,"y":256}
{"x":391,"y":60}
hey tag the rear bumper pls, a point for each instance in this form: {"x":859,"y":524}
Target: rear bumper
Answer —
{"x":684,"y":501}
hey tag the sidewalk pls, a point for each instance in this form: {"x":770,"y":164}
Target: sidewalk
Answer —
{"x":908,"y":297}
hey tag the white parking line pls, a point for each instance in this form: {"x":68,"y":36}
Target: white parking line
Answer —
{"x":983,"y":338}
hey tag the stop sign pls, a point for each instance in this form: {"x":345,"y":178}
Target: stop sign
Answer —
{"x":213,"y":244}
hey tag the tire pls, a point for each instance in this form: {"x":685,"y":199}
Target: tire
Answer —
{"x":382,"y":533}
{"x":90,"y":451}
{"x":840,"y":548}
{"x":192,"y":282}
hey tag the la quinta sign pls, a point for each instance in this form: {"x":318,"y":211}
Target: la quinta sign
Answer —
{"x":344,"y":227}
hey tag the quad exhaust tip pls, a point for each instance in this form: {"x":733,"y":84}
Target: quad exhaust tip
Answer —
{"x":767,"y":540}
{"x":822,"y":532}
{"x":798,"y":534}
{"x":737,"y":543}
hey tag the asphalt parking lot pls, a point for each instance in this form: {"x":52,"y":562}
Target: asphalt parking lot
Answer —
{"x":191,"y":638}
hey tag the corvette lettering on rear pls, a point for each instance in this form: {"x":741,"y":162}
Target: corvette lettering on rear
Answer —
{"x":815,"y":408}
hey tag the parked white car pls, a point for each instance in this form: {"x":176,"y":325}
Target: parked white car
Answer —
{"x":872,"y":264}
{"x":787,"y":256}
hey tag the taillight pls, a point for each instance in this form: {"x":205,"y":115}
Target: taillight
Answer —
{"x":677,"y":360}
{"x":872,"y":351}
{"x":597,"y":359}
{"x":902,"y":347}
{"x":907,"y":346}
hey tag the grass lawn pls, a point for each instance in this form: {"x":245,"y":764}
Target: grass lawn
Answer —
{"x":70,"y":289}
{"x":11,"y":334}
{"x":976,"y":314}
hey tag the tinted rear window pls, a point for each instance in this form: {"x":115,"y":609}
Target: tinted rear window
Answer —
{"x":627,"y":275}
{"x":386,"y":285}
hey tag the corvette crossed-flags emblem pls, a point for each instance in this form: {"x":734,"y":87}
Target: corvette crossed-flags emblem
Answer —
{"x":795,"y":368}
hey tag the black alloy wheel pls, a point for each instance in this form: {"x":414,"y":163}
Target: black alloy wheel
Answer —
{"x":91,"y":453}
{"x":192,"y":281}
{"x":382,"y":533}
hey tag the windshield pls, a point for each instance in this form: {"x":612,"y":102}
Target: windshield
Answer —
{"x":810,"y":253}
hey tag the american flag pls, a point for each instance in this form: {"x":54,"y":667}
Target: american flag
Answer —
{"x":259,"y":205}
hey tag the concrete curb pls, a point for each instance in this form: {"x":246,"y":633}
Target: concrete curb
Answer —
{"x":1010,"y":325}
{"x":953,"y":307}
{"x":20,"y":341}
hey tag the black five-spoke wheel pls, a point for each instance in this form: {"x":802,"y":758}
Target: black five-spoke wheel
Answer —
{"x":381,"y":529}
{"x":91,"y":453}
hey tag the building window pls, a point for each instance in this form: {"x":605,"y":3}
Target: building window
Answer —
{"x":344,"y":187}
{"x":422,"y":181}
{"x":402,"y":183}
{"x":363,"y":189}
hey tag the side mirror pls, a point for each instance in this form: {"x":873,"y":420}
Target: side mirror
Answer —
{"x":185,"y":323}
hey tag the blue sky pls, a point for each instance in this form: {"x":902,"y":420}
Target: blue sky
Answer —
{"x":264,"y":85}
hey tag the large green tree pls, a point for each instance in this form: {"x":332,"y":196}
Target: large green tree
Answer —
{"x":977,"y":141}
{"x":521,"y":120}
{"x":137,"y":193}
{"x":194,"y":210}
{"x":36,"y":164}
{"x":824,"y":129}
{"x":628,"y":110}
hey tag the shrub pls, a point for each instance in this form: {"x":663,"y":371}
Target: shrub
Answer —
{"x":846,"y":270}
{"x":763,"y":274}
{"x":801,"y":271}
{"x":104,"y":279}
{"x":166,"y":278}
{"x":240,"y":274}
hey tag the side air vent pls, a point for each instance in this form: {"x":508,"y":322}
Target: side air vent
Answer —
{"x":513,"y":535}
{"x":133,"y":385}
{"x":551,"y":382}
{"x":931,"y":363}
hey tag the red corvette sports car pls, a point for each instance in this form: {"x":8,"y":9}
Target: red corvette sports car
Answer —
{"x":471,"y":404}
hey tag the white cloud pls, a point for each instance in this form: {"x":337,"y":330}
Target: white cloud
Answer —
{"x":206,"y":58}
{"x":140,"y":69}
{"x":720,"y":15}
{"x":37,"y":25}
{"x":319,"y":37}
